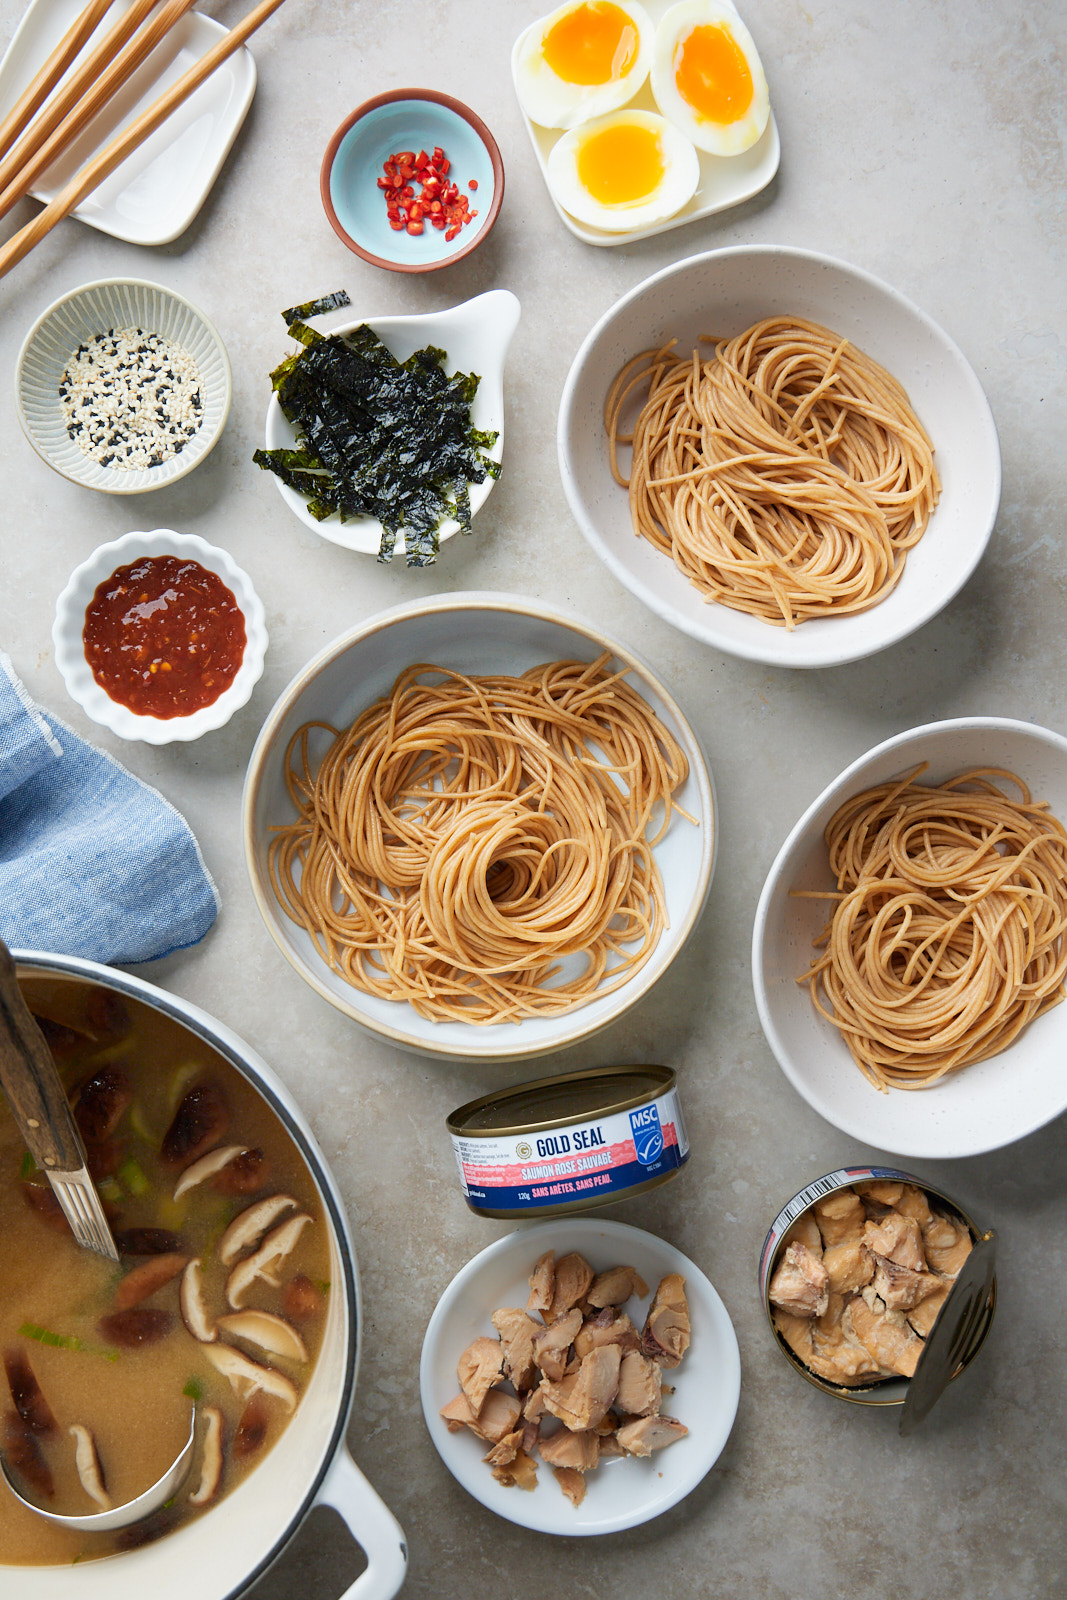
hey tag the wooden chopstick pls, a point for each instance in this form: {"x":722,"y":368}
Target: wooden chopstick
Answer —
{"x":104,"y":164}
{"x":45,"y":80}
{"x":78,"y":102}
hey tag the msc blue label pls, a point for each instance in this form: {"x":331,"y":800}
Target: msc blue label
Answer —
{"x":648,"y":1135}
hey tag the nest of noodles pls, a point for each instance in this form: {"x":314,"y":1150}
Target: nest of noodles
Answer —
{"x":947,"y":939}
{"x":787,"y":476}
{"x":467,"y":834}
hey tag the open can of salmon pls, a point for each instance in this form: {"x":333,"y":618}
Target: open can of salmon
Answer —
{"x":565,"y":1144}
{"x":879,"y":1288}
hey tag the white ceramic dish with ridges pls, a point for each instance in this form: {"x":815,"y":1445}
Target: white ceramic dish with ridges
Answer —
{"x":69,"y":624}
{"x":93,"y":309}
{"x":980,"y":1108}
{"x":720,"y":294}
{"x":476,"y":633}
{"x":475,"y":337}
{"x":622,"y":1492}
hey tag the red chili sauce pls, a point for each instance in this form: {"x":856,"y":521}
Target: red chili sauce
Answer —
{"x":164,"y":637}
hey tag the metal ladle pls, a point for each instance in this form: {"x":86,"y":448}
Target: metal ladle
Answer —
{"x":164,"y":1489}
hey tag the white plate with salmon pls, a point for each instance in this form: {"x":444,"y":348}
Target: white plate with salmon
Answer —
{"x":580,"y":1376}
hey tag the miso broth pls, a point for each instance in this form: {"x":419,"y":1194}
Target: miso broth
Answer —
{"x":132,"y":1382}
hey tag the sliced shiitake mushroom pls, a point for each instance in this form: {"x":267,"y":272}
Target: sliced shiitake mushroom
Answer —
{"x":211,"y":1460}
{"x":200,"y":1121}
{"x":207,"y":1167}
{"x":247,"y":1376}
{"x":193,"y":1307}
{"x":264,"y":1329}
{"x":30,"y":1403}
{"x":247,"y":1229}
{"x":265,"y":1262}
{"x":88,"y":1464}
{"x":144,"y":1280}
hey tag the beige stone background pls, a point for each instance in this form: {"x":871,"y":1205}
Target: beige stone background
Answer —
{"x":923,"y":141}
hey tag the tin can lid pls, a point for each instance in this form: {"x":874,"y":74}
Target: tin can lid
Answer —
{"x":555,"y":1102}
{"x":957,"y":1335}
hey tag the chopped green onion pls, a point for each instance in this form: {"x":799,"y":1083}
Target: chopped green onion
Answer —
{"x":28,"y":1167}
{"x":194,"y":1389}
{"x":64,"y":1341}
{"x":132,"y":1177}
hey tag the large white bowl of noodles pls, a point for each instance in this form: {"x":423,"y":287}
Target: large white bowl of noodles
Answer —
{"x":983,"y":1106}
{"x":720,"y":294}
{"x":475,"y":634}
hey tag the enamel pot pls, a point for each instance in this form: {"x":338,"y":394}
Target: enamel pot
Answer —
{"x":218,"y":1555}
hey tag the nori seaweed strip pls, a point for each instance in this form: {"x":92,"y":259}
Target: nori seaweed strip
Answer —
{"x":316,"y":308}
{"x":381,"y":438}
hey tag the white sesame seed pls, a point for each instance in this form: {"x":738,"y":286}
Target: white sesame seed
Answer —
{"x":131,"y":399}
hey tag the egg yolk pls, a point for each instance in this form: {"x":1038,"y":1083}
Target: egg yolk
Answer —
{"x":712,"y":74}
{"x":594,"y":43}
{"x":621,"y":165}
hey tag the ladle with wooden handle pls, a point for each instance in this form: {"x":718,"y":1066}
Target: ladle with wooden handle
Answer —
{"x":39,"y":1105}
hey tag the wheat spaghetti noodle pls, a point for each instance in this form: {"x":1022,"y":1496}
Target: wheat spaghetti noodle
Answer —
{"x":787,"y":476}
{"x":467,"y":834}
{"x":947,"y":938}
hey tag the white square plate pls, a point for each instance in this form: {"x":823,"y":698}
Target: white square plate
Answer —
{"x":725,"y":181}
{"x":158,"y":190}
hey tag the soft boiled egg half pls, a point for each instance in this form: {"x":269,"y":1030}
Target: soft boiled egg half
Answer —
{"x":707,"y":77}
{"x":622,"y":172}
{"x":583,"y":60}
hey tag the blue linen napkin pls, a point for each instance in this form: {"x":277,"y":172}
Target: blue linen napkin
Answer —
{"x":93,"y":862}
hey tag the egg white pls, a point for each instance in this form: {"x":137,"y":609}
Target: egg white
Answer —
{"x":720,"y":138}
{"x":677,"y":186}
{"x":552,"y":101}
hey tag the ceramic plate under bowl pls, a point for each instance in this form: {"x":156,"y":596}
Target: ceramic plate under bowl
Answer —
{"x":979,"y":1108}
{"x":622,"y":1492}
{"x":98,"y":308}
{"x":70,"y":622}
{"x":409,"y":119}
{"x":725,"y":181}
{"x":720,"y":294}
{"x":475,"y":337}
{"x":156,"y":192}
{"x":474,"y":633}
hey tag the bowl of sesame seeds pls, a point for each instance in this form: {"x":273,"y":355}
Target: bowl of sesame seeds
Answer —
{"x":123,"y":386}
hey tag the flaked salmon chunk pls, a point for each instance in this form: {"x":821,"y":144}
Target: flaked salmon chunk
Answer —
{"x":582,"y":1399}
{"x":849,"y":1266}
{"x":566,"y":1449}
{"x":900,"y":1287}
{"x":885,"y":1335}
{"x":640,"y":1385}
{"x":640,"y":1438}
{"x":801,"y":1283}
{"x":571,"y":1482}
{"x":542,"y":1282}
{"x":517,"y":1334}
{"x":615,"y":1287}
{"x":947,"y":1246}
{"x":898,"y":1239}
{"x":552,"y":1345}
{"x":840,"y":1217}
{"x":665,"y":1335}
{"x":574,"y":1276}
{"x":481,"y":1368}
{"x":607,"y":1327}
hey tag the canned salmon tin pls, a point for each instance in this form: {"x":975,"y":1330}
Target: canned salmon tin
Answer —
{"x":959,"y":1329}
{"x":565,"y":1144}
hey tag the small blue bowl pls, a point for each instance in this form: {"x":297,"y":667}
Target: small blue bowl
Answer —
{"x":409,"y":119}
